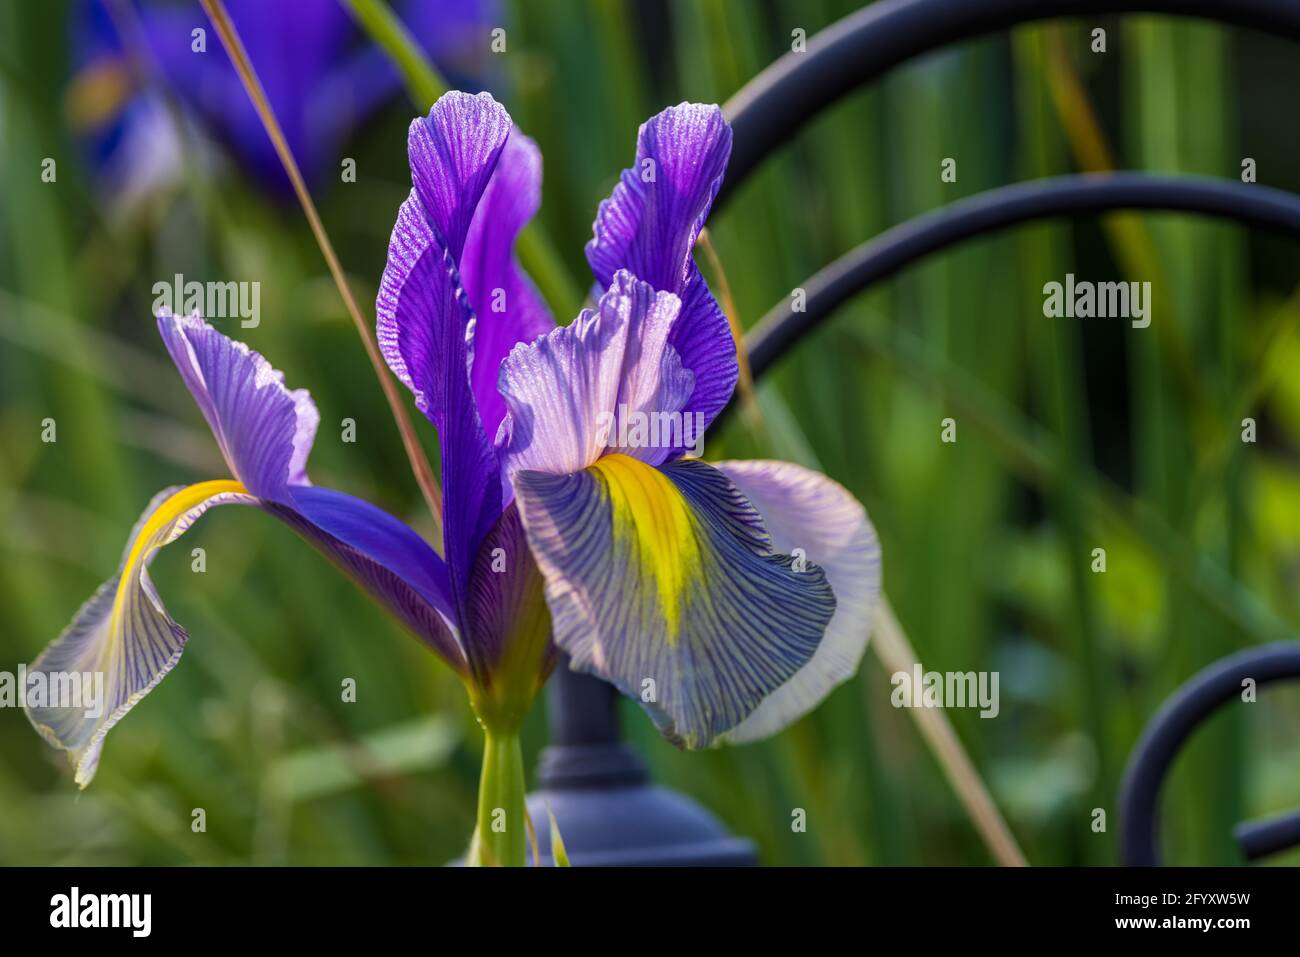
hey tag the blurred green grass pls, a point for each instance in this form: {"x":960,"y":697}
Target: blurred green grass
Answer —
{"x":985,"y":558}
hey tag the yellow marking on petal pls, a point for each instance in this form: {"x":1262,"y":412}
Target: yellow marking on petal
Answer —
{"x":650,"y":509}
{"x":155,"y":526}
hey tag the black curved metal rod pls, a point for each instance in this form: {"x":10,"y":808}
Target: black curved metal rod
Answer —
{"x":1215,"y":685}
{"x":774,"y":105}
{"x":1261,"y":838}
{"x":1250,"y":204}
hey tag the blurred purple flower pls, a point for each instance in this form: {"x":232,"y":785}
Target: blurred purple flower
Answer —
{"x":320,"y":73}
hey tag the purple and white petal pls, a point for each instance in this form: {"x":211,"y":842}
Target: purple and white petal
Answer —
{"x":125,"y":635}
{"x":649,"y":225}
{"x":568,"y":392}
{"x":122,"y":637}
{"x":663,"y":582}
{"x":818,"y":520}
{"x":507,"y":307}
{"x":264,"y":430}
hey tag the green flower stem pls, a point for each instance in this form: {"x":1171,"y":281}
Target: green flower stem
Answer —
{"x":502,"y":837}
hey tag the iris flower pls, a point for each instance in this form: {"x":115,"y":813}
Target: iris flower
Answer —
{"x":320,"y":80}
{"x":727,"y":598}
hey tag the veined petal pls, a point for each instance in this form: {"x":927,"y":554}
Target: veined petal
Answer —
{"x":507,"y":307}
{"x":453,"y":153}
{"x":424,"y":319}
{"x":265,"y":432}
{"x":409,"y":324}
{"x":816,"y":518}
{"x":703,"y":339}
{"x":123,"y":633}
{"x":649,"y":225}
{"x":568,"y":392}
{"x":126,"y":634}
{"x":388,"y":559}
{"x":423,"y":324}
{"x":663,"y":581}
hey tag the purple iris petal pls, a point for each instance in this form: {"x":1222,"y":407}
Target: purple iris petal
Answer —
{"x":390,"y":561}
{"x":265,"y":431}
{"x":507,"y":308}
{"x":664,"y":582}
{"x":381,"y":537}
{"x":320,"y":75}
{"x":570,"y":391}
{"x":651,"y":221}
{"x":424,"y":320}
{"x":649,"y":225}
{"x":453,"y":153}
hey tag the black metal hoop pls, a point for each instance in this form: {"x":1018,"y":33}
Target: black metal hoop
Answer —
{"x":1139,"y":812}
{"x":1254,"y":205}
{"x":856,"y":50}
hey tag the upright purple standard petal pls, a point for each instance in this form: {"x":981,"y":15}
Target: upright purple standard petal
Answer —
{"x":453,"y":153}
{"x":426,"y":323}
{"x":507,"y":307}
{"x":650,"y":223}
{"x":649,"y":226}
